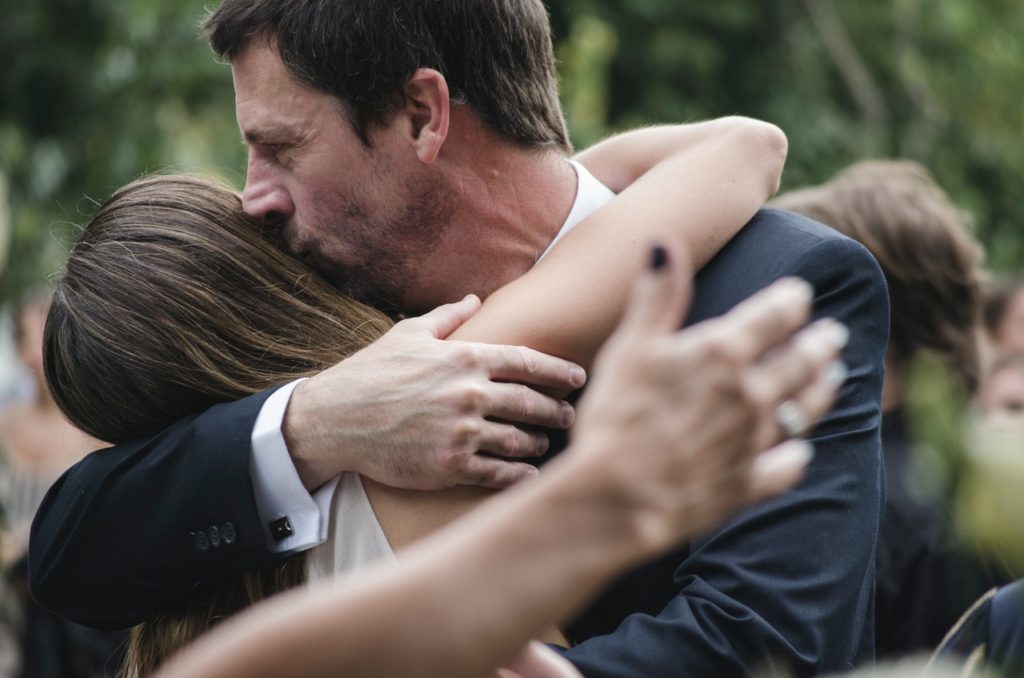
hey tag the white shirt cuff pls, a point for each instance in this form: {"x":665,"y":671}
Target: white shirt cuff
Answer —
{"x":292,"y":518}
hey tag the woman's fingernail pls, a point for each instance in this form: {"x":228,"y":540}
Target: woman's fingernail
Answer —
{"x":798,"y":287}
{"x":795,"y":453}
{"x":838,"y":334}
{"x":836,"y":374}
{"x":659,"y":257}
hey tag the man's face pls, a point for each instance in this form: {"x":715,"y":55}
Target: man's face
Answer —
{"x":365,"y":218}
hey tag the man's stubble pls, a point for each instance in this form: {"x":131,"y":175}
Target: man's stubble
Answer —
{"x":384,"y":253}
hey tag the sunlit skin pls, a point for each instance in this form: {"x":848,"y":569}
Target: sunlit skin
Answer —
{"x":1003,"y":392}
{"x":1010,"y":333}
{"x":439,"y":206}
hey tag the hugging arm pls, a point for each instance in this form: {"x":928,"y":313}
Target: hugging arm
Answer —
{"x":687,"y":184}
{"x":133,"y":529}
{"x":694,"y":184}
{"x":791,"y":581}
{"x":465,"y":600}
{"x":96,"y":542}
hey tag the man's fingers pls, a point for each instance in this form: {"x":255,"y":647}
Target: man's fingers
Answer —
{"x":522,"y":405}
{"x":526,"y":366}
{"x":494,"y":473}
{"x":444,"y":320}
{"x":660,"y":296}
{"x":778,"y":469}
{"x":507,"y":441}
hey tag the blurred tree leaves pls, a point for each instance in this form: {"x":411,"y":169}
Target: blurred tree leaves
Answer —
{"x":936,"y":82}
{"x":99,"y":91}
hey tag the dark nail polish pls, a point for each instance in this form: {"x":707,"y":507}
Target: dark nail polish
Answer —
{"x":659,"y":257}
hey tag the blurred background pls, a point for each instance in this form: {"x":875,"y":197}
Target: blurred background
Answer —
{"x":97,"y":92}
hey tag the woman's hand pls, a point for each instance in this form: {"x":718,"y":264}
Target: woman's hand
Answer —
{"x":674,"y":424}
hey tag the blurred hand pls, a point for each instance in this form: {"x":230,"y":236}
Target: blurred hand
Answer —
{"x":412,"y":411}
{"x":674,"y":423}
{"x":539,"y":661}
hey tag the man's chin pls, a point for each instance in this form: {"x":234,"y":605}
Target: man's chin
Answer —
{"x":379,"y":294}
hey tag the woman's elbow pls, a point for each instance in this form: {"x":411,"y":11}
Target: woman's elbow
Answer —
{"x":765,"y":147}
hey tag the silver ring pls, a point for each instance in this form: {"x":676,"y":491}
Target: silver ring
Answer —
{"x":790,"y":419}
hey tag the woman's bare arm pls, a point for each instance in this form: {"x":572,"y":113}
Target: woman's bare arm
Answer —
{"x":570,"y":302}
{"x":694,"y":184}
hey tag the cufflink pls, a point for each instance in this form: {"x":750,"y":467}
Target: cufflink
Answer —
{"x":281,"y":529}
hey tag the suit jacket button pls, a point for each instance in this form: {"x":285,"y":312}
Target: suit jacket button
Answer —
{"x":227,"y":533}
{"x":201,"y":541}
{"x":214,"y":535}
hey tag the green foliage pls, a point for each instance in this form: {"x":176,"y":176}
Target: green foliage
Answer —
{"x":935,"y":82}
{"x":969,"y":460}
{"x":99,"y":91}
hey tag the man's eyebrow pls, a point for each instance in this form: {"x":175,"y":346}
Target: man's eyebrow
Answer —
{"x":259,"y":136}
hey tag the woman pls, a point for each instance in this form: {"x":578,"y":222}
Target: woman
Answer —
{"x":172,"y":289}
{"x":37,"y":444}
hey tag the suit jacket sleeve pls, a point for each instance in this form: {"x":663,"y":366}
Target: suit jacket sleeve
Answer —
{"x":789,"y":583}
{"x":133,"y":529}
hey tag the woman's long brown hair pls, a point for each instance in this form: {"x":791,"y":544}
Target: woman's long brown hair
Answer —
{"x":172,"y":301}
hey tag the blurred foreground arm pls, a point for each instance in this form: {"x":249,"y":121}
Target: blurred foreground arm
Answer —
{"x":637,"y":479}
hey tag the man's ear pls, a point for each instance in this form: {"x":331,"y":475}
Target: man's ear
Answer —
{"x":428,"y":110}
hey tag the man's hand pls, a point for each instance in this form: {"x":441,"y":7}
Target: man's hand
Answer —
{"x":674,"y":423}
{"x":413,"y":411}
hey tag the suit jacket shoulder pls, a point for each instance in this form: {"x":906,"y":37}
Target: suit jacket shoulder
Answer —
{"x":790,"y":582}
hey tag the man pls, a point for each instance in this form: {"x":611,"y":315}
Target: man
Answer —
{"x":445,"y":174}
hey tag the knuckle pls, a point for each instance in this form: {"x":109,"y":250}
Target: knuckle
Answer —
{"x":466,"y":357}
{"x":467,"y":432}
{"x":513,"y":441}
{"x":756,"y":394}
{"x":718,"y":348}
{"x":523,"y":402}
{"x":472,"y":399}
{"x":530,"y":363}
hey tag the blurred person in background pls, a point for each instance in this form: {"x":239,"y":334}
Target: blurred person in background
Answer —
{"x":1002,"y":391}
{"x":37,"y":444}
{"x":926,"y":580}
{"x":1004,"y":315}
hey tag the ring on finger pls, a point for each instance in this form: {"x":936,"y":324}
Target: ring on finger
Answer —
{"x":790,"y":419}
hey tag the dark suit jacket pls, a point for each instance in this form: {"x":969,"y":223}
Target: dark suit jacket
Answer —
{"x":791,"y":580}
{"x":789,"y":583}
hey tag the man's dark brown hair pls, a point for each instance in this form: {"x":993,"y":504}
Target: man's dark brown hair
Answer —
{"x":496,"y":56}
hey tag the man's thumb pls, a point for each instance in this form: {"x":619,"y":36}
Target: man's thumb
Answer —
{"x":661,"y":294}
{"x":444,"y":320}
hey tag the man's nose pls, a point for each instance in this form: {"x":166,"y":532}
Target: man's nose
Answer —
{"x":264,"y":197}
